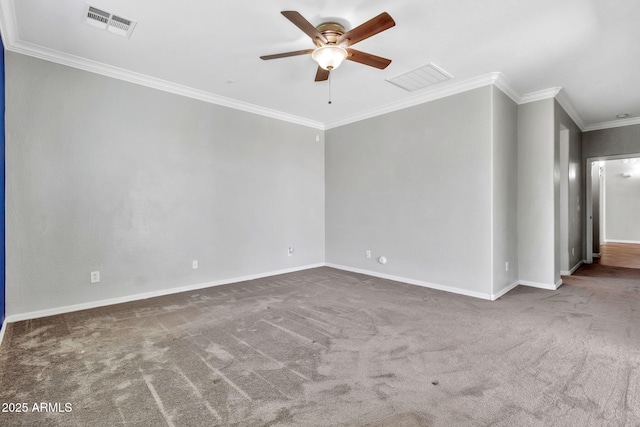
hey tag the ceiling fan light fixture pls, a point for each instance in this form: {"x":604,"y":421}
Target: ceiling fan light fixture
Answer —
{"x":329,"y":57}
{"x":333,"y":43}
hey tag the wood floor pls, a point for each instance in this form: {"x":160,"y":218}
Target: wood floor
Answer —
{"x":619,"y":255}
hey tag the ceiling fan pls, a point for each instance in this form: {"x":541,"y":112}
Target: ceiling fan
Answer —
{"x":333,"y":43}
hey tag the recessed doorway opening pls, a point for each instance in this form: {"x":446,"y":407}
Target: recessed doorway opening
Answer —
{"x":613,"y":206}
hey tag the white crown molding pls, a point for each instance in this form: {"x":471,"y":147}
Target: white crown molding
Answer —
{"x":502,"y":83}
{"x":565,"y":102}
{"x":8,"y":28}
{"x":560,"y":95}
{"x":152,"y":82}
{"x":613,"y":124}
{"x":442,"y":91}
{"x":13,"y":44}
{"x":7,"y":22}
{"x":540,"y":95}
{"x":496,"y":78}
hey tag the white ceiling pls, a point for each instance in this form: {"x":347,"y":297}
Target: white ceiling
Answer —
{"x":590,"y":48}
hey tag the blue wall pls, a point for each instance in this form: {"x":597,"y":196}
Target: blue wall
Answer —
{"x":2,"y":260}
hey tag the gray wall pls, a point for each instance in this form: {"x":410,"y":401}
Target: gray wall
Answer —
{"x":110,"y":176}
{"x":505,"y":190}
{"x":576,"y":185}
{"x":537,"y":182}
{"x":539,"y":174}
{"x":622,"y":203}
{"x":134,"y":182}
{"x":415,"y":186}
{"x":611,"y":142}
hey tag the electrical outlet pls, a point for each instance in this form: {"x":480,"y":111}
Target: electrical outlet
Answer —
{"x":368,"y":253}
{"x":194,"y":264}
{"x":95,"y":277}
{"x":573,"y":251}
{"x":290,"y":251}
{"x":506,"y":266}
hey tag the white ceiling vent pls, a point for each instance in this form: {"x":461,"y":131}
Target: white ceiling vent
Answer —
{"x":421,"y":77}
{"x":108,"y":21}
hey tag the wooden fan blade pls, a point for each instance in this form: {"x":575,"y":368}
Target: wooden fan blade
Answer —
{"x":306,"y":27}
{"x":322,"y":74}
{"x":376,"y":25}
{"x":368,"y":59}
{"x":284,"y":55}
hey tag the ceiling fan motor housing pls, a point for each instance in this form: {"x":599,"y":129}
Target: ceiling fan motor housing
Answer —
{"x":333,"y":43}
{"x":331,"y":31}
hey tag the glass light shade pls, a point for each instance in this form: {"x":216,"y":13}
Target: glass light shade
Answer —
{"x":329,"y":57}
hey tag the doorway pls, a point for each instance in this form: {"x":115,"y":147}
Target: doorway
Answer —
{"x":613,"y":206}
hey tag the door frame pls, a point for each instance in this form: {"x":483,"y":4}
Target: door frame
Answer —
{"x":589,"y":199}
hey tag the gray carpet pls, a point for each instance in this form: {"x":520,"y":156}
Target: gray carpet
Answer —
{"x":325,"y":347}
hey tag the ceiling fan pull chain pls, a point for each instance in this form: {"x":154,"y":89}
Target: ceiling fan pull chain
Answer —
{"x":329,"y":88}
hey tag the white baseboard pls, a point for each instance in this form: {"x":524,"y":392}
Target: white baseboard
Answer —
{"x":550,"y":287}
{"x":136,"y":297}
{"x":412,"y":281}
{"x":2,"y":330}
{"x":573,"y":270}
{"x":504,"y":291}
{"x":632,"y":242}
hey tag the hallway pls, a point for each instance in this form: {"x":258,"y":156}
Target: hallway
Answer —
{"x":619,"y":255}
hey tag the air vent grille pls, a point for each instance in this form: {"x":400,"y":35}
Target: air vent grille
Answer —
{"x":116,"y":21}
{"x":98,"y":15}
{"x":108,"y":21}
{"x":421,"y":77}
